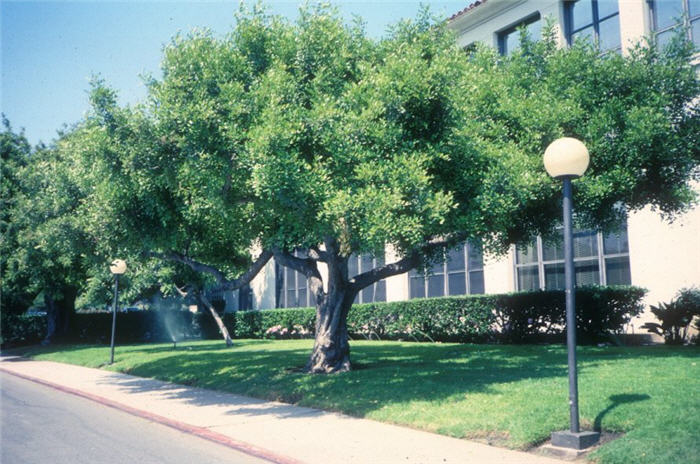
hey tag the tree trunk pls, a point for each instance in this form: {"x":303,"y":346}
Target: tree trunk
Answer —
{"x":59,"y":315}
{"x":331,"y":352}
{"x":217,"y":318}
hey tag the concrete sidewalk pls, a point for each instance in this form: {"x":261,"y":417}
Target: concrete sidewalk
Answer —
{"x":274,"y":431}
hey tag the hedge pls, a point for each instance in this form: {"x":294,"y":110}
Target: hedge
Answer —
{"x":524,"y":317}
{"x":21,"y":329}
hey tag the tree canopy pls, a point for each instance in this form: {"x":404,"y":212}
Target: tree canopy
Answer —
{"x":311,"y":136}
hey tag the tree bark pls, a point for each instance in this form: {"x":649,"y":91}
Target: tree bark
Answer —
{"x":331,"y":351}
{"x":222,"y":328}
{"x":59,"y":315}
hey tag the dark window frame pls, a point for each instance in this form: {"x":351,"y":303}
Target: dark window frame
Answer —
{"x":469,"y":272}
{"x":377,"y":288}
{"x":540,"y":263}
{"x":503,"y":34}
{"x":595,"y":22}
{"x":686,"y":20}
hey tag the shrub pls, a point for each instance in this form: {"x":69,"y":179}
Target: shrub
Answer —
{"x":523,"y":317}
{"x":676,"y":316}
{"x":455,"y":319}
{"x":21,"y":329}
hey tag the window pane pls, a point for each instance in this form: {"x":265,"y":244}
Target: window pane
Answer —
{"x":290,"y":282}
{"x":616,"y":243}
{"x":535,"y":30}
{"x":663,"y":38}
{"x":526,"y":254}
{"x":367,"y":263}
{"x":585,"y":244}
{"x":584,"y":34}
{"x":667,"y":12}
{"x":587,"y":273}
{"x":368,"y":294}
{"x":694,"y":7}
{"x":457,"y":283}
{"x":695,"y":30}
{"x":455,"y":259}
{"x":607,"y":7}
{"x":436,"y":285}
{"x":609,"y":33}
{"x":553,"y":250}
{"x":528,"y":278}
{"x":291,"y":299}
{"x":301,"y":280}
{"x":352,"y":265}
{"x":617,"y":271}
{"x":554,"y":276}
{"x":380,"y":291}
{"x":476,"y":256}
{"x":582,"y":13}
{"x":357,"y":299}
{"x":302,"y":298}
{"x":511,"y":42}
{"x":417,"y":285}
{"x":476,"y":282}
{"x":438,"y":268}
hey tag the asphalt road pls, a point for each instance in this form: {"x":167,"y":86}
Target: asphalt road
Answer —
{"x":39,"y":424}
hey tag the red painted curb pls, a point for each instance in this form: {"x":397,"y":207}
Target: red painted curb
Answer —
{"x":177,"y":425}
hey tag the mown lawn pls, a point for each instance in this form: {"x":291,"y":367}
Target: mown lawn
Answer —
{"x":512,"y":396}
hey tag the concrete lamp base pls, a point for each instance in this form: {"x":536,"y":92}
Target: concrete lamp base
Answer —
{"x":577,"y":441}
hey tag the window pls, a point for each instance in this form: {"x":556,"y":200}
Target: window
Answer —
{"x":363,"y":263}
{"x":598,"y":259}
{"x":461,"y":273}
{"x":668,"y":15}
{"x":597,"y":20}
{"x":509,"y":39}
{"x":292,"y":287}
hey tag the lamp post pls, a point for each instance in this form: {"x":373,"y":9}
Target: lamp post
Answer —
{"x":567,"y":159}
{"x":118,"y":267}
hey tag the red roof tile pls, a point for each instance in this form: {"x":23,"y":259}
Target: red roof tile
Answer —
{"x":468,"y":8}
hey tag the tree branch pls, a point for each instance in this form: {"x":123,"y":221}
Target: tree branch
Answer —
{"x":306,"y":266}
{"x":405,"y":264}
{"x":224,"y":283}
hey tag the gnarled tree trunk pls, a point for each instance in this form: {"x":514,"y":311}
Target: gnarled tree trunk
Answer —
{"x":331,"y":352}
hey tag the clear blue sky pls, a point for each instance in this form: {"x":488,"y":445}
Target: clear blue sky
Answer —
{"x":50,"y":49}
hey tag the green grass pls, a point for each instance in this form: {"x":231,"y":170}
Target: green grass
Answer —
{"x":512,"y":396}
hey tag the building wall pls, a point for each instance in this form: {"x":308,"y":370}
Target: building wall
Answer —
{"x":664,"y":257}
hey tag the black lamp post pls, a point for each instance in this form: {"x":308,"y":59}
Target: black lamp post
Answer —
{"x":118,"y":267}
{"x":566,"y":159}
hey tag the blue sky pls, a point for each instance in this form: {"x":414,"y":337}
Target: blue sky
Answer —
{"x":50,"y":49}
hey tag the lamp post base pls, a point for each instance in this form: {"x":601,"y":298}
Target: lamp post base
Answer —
{"x":575,"y":440}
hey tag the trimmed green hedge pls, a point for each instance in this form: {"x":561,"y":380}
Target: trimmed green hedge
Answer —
{"x":524,"y":317}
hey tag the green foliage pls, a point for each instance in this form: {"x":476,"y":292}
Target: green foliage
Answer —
{"x":283,"y":134}
{"x":676,"y":316}
{"x":20,"y":329}
{"x":524,"y":317}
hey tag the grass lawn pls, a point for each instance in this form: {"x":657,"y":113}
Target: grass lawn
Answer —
{"x":512,"y":396}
